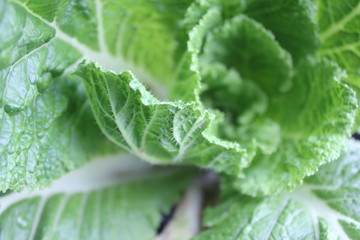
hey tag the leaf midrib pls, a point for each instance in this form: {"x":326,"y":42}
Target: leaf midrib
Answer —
{"x":334,"y":28}
{"x":305,"y":195}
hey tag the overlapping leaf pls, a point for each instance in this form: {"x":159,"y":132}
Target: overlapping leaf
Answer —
{"x":315,"y":118}
{"x":325,"y":207}
{"x":306,"y":110}
{"x":246,"y":74}
{"x":203,"y":52}
{"x":40,"y":43}
{"x":43,"y":114}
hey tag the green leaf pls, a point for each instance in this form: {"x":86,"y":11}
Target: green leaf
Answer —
{"x":315,"y":118}
{"x":53,"y":135}
{"x":129,"y":210}
{"x":293,"y":24}
{"x":187,"y":77}
{"x":242,"y":44}
{"x":146,"y":33}
{"x":248,"y":102}
{"x":159,"y":132}
{"x":325,"y":207}
{"x":29,"y":63}
{"x":340,"y":34}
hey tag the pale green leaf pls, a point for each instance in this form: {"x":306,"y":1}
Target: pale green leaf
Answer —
{"x":292,"y":23}
{"x":146,"y":33}
{"x":339,"y":23}
{"x":325,"y":208}
{"x":159,"y":132}
{"x":290,"y":121}
{"x":244,"y":45}
{"x":45,"y":117}
{"x":53,"y":135}
{"x":132,"y":210}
